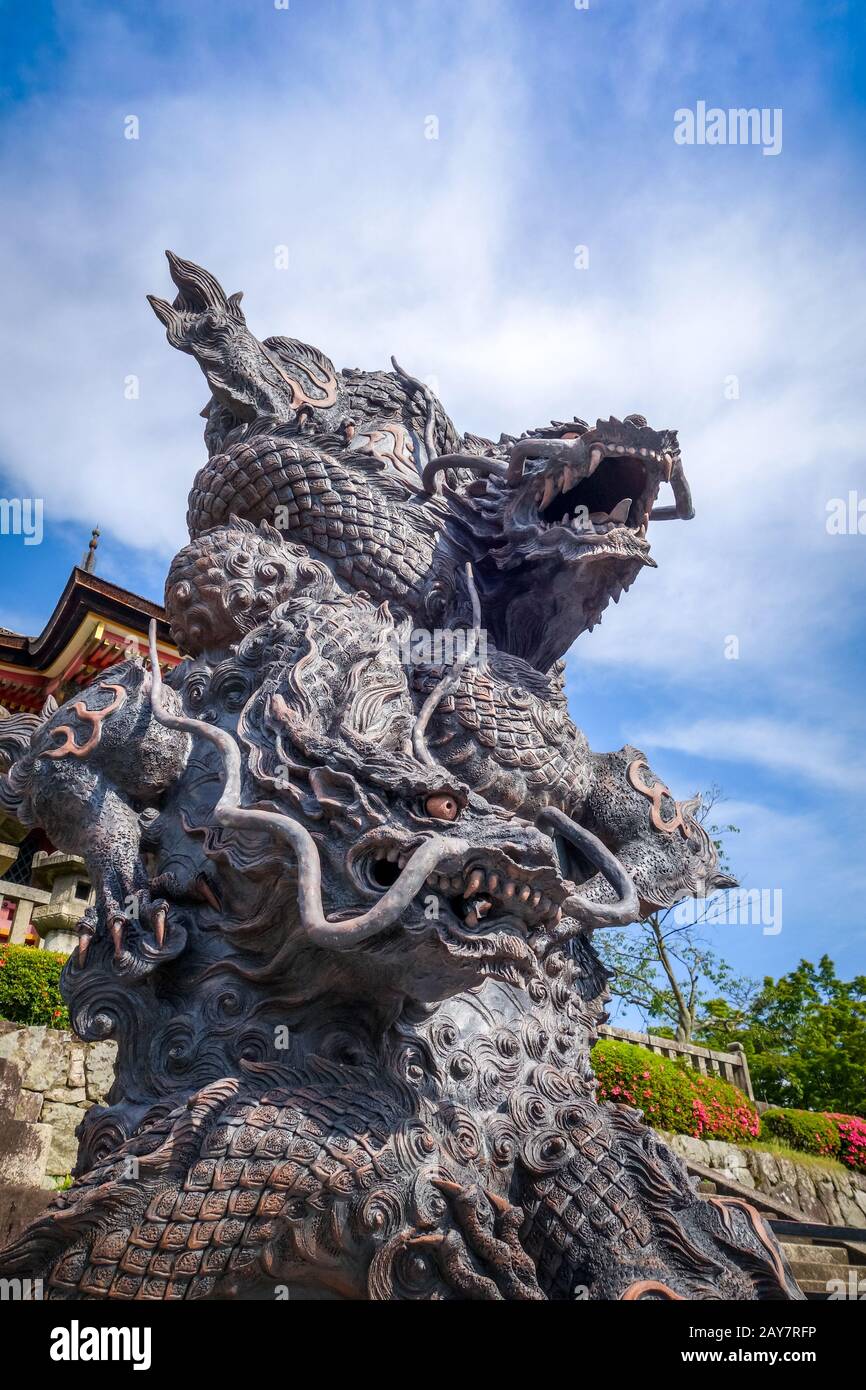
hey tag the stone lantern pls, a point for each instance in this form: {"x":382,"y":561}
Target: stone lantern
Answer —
{"x":65,"y":877}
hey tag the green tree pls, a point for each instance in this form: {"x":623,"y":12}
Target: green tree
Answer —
{"x":805,"y":1038}
{"x":665,"y":967}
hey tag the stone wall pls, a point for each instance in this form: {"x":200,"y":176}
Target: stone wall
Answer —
{"x":49,"y":1079}
{"x":836,"y":1198}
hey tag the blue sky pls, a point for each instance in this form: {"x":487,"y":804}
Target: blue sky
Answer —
{"x":305,"y":128}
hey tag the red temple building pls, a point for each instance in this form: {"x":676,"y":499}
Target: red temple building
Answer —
{"x":95,"y":624}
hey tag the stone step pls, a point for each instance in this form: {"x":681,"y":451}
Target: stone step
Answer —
{"x":817,"y":1291}
{"x":813,"y":1288}
{"x":807,"y":1273}
{"x":808,"y":1253}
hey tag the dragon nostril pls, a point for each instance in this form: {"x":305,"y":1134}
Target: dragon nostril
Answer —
{"x":383,"y":873}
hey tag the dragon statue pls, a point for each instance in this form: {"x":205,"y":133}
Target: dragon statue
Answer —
{"x":349,"y":857}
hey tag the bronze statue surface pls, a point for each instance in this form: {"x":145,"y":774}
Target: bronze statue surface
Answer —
{"x":349,"y":858}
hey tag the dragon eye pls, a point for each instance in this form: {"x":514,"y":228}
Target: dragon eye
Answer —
{"x":442,"y":806}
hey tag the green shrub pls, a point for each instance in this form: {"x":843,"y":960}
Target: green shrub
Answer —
{"x":804,"y":1130}
{"x":827,"y":1134}
{"x":672,"y":1095}
{"x":30,"y":986}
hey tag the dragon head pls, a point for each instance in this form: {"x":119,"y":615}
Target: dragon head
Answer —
{"x":443,"y":890}
{"x":279,"y":378}
{"x":557,"y":524}
{"x":227,"y":581}
{"x":413,"y":885}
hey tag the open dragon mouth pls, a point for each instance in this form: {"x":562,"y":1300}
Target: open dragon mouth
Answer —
{"x":476,"y":894}
{"x":613,"y":494}
{"x":487,"y":911}
{"x":611,"y":484}
{"x":479,"y":896}
{"x":582,"y":487}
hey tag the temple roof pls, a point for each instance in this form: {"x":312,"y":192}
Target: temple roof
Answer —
{"x":93,"y":626}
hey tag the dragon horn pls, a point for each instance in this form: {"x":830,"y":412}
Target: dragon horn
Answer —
{"x":472,"y":461}
{"x":167,"y":315}
{"x":198,"y":289}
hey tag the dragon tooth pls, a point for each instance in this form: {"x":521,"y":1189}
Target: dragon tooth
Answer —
{"x":492,"y":882}
{"x":551,"y":488}
{"x":476,"y":878}
{"x":510,"y":888}
{"x":621,"y":510}
{"x":525,"y":893}
{"x":569,"y":477}
{"x":595,"y":457}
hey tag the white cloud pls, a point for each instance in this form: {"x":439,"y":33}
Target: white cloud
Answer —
{"x":455,"y":254}
{"x":800,"y":752}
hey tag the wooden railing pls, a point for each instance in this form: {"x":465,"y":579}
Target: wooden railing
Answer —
{"x":730,"y":1066}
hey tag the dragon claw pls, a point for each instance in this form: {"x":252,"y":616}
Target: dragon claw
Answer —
{"x":159,"y":921}
{"x":452,"y":1188}
{"x":116,"y":927}
{"x":501,"y":1205}
{"x":206,"y":890}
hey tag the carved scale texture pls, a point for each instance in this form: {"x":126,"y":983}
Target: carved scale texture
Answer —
{"x":270,"y":1166}
{"x":522,"y":750}
{"x":376,"y":536}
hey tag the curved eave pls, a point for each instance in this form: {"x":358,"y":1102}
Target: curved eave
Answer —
{"x":83,"y":593}
{"x":93,"y":626}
